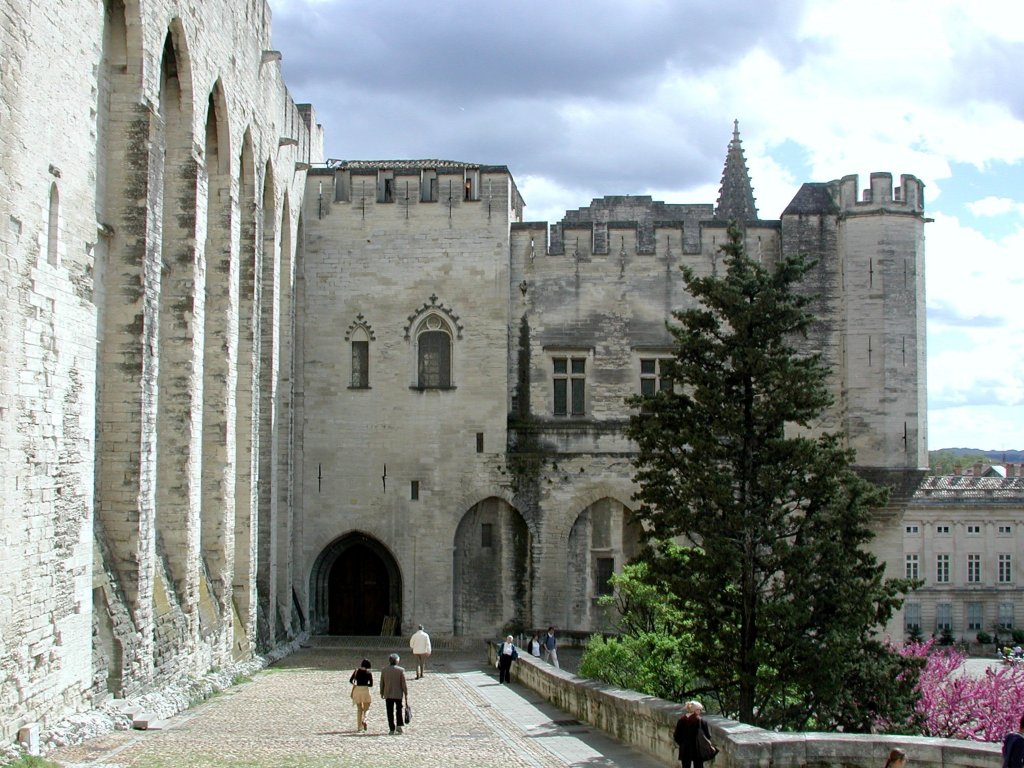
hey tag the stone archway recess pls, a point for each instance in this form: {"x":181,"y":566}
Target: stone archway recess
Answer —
{"x":355,"y":588}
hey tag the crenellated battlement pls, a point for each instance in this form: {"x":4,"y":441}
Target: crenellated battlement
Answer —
{"x":880,"y":196}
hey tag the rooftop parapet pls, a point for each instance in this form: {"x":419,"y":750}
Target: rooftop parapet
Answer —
{"x":880,"y":195}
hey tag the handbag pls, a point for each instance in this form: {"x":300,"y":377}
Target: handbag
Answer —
{"x":705,"y":748}
{"x":408,"y":714}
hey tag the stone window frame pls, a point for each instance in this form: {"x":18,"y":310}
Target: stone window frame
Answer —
{"x":973,"y":568}
{"x":1004,"y":574}
{"x":942,"y":568}
{"x":974,"y":612}
{"x":911,"y":615}
{"x":913,"y":566}
{"x":649,"y":371}
{"x":569,"y":368}
{"x":358,"y":331}
{"x":1005,"y":620}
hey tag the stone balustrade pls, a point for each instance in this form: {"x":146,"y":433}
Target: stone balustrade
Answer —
{"x":646,"y":722}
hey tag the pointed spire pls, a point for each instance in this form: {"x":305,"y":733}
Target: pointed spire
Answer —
{"x":736,"y":196}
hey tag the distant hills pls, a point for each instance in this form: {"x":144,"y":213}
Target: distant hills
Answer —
{"x":942,"y":460}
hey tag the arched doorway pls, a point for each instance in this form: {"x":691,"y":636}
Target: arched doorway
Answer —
{"x":355,"y":588}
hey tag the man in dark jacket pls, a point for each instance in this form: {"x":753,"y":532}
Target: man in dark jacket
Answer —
{"x":507,"y":653}
{"x":393,"y":689}
{"x":1013,"y":748}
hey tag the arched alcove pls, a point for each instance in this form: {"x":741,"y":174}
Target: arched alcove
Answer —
{"x":354,"y":586}
{"x":604,"y":537}
{"x":492,"y":569}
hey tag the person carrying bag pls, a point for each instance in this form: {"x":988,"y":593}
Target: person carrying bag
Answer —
{"x":694,"y":737}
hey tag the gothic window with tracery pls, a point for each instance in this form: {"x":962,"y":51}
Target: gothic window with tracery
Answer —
{"x":434,"y":354}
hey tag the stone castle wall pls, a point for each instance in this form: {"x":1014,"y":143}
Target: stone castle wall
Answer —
{"x":153,"y":167}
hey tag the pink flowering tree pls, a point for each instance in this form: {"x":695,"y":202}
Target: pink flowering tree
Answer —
{"x":954,"y":704}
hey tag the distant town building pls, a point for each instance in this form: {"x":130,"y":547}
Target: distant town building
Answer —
{"x":963,"y":536}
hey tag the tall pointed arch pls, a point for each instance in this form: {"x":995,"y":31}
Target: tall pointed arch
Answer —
{"x":244,"y":580}
{"x":217,"y":512}
{"x":267,"y":299}
{"x":125,"y":265}
{"x":182,"y":298}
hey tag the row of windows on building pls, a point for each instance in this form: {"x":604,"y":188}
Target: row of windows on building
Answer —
{"x":944,"y":529}
{"x":974,"y":615}
{"x":569,"y":374}
{"x":1004,"y":568}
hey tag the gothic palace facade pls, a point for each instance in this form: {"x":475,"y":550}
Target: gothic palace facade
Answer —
{"x":247,"y":393}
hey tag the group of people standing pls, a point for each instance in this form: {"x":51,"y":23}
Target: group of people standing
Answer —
{"x":393,"y":687}
{"x":507,"y":653}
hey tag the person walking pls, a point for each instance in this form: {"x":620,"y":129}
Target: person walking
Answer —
{"x":393,"y":689}
{"x":420,"y":645}
{"x":897,"y":758}
{"x":1013,"y":748}
{"x":685,"y":734}
{"x":551,"y":647}
{"x":507,"y":653}
{"x":362,"y":682}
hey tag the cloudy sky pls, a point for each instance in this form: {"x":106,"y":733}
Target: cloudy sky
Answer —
{"x":585,"y":99}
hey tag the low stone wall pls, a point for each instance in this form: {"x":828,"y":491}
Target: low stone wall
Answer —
{"x":647,"y":722}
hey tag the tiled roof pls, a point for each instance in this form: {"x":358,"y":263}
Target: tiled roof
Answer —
{"x":938,"y":487}
{"x":399,"y":165}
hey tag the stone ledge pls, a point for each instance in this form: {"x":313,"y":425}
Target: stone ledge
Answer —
{"x":646,"y":722}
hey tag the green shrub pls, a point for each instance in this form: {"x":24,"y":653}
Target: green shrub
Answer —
{"x":984,"y":637}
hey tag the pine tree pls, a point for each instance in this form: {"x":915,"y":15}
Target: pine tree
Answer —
{"x":781,"y":594}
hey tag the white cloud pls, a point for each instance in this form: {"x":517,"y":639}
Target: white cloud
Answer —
{"x":995,"y":206}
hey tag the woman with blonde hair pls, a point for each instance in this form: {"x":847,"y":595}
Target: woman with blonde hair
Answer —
{"x":685,"y":735}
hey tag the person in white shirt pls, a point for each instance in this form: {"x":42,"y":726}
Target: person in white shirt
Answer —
{"x":420,"y":645}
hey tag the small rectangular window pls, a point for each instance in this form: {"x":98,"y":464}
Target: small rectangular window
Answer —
{"x":912,"y":616}
{"x":414,"y":490}
{"x":974,"y":616}
{"x":479,"y":442}
{"x":942,"y":569}
{"x":569,"y":386}
{"x":1006,"y":615}
{"x":913,"y":530}
{"x":428,"y":186}
{"x":1005,"y":568}
{"x":1005,"y":530}
{"x":942,"y":530}
{"x":974,"y":569}
{"x":973,"y":530}
{"x":386,"y":187}
{"x":341,"y":187}
{"x":360,"y":364}
{"x":605,"y":569}
{"x":913,"y":570}
{"x":486,"y":535}
{"x":652,"y":376}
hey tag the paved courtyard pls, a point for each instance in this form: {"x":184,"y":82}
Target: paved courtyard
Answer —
{"x":297,"y":714}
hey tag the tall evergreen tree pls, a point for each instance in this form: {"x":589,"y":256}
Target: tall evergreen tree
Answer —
{"x":781,"y":594}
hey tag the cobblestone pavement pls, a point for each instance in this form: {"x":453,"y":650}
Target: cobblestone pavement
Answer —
{"x":297,"y":714}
